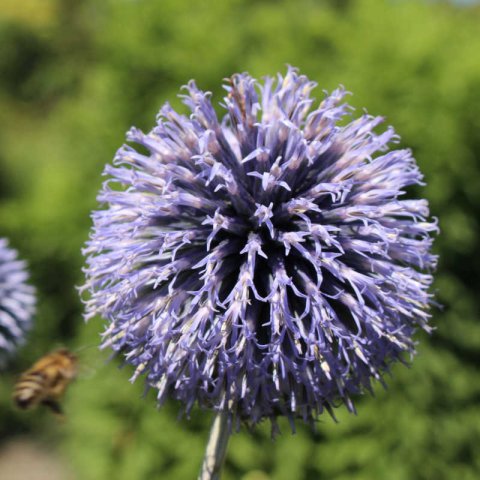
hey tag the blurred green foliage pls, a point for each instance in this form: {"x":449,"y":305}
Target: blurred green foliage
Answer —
{"x":76,"y":74}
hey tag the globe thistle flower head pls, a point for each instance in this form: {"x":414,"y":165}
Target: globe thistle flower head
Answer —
{"x":265,"y":262}
{"x":17,"y":301}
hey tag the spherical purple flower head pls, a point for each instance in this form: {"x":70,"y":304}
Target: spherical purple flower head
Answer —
{"x":266,"y":263}
{"x":17,"y":301}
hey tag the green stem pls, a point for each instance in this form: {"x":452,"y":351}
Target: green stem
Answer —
{"x":216,"y":447}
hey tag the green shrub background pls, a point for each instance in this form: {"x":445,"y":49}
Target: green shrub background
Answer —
{"x":76,"y":74}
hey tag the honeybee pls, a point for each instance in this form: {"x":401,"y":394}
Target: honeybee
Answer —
{"x":46,"y":381}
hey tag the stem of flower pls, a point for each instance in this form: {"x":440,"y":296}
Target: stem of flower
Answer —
{"x":216,"y":447}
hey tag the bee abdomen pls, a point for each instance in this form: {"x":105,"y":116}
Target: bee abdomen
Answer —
{"x":29,"y":390}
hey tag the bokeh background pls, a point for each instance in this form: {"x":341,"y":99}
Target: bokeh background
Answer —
{"x":76,"y":74}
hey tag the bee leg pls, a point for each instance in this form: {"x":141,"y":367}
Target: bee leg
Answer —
{"x":54,"y":406}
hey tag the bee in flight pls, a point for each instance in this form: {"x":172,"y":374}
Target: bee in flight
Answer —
{"x":46,"y":381}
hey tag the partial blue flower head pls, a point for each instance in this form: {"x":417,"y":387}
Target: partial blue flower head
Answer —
{"x":17,"y":301}
{"x":266,"y":262}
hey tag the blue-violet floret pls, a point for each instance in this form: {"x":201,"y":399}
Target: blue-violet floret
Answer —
{"x":267,"y":262}
{"x":17,"y":301}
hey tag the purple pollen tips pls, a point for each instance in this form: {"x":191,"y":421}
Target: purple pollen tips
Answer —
{"x":266,"y":262}
{"x":262,"y":216}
